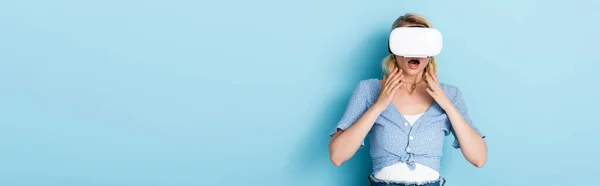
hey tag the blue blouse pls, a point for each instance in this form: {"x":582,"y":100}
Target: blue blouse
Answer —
{"x":392,"y":139}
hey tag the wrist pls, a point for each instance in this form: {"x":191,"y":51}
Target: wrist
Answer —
{"x":450,"y":109}
{"x":378,"y":107}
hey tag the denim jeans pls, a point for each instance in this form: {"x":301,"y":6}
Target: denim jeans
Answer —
{"x":376,"y":182}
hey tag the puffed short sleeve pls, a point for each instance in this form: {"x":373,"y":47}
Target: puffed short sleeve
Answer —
{"x":355,"y":108}
{"x":460,"y":104}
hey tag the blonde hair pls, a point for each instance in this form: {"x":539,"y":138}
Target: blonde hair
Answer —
{"x":389,"y":62}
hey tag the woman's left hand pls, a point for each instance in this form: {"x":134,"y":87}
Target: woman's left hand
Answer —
{"x":436,"y":91}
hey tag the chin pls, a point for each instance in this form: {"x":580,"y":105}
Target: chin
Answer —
{"x":413,"y":72}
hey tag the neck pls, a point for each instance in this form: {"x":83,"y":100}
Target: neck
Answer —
{"x":410,"y":79}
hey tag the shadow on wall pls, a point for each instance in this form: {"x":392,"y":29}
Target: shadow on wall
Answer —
{"x":312,"y":158}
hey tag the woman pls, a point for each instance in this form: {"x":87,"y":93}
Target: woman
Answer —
{"x":407,"y":114}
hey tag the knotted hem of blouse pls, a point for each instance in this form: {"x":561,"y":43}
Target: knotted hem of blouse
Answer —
{"x":409,"y":162}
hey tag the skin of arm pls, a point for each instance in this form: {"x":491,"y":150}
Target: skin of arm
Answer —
{"x":344,"y":144}
{"x":472,"y":145}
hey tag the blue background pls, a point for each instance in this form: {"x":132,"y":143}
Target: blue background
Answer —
{"x":156,"y":93}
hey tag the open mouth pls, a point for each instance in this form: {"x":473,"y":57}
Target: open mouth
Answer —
{"x":413,"y":64}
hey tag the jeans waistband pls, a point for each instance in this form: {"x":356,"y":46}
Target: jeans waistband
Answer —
{"x":373,"y":180}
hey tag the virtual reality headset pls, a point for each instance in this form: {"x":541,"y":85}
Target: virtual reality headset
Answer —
{"x":415,"y":42}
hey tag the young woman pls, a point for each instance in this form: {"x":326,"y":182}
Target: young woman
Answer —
{"x":407,"y":114}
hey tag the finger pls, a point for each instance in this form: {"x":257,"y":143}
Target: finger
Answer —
{"x":430,"y":82}
{"x":391,"y":75}
{"x":430,"y":92}
{"x":397,"y":78}
{"x":394,"y":72}
{"x":390,"y":88}
{"x":392,"y":80}
{"x":434,"y":76}
{"x":437,"y":82}
{"x":433,"y":83}
{"x":430,"y":73}
{"x":395,"y":89}
{"x":398,"y":75}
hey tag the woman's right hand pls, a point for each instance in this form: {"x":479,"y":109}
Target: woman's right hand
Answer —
{"x":389,"y":85}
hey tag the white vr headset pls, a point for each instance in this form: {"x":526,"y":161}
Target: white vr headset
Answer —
{"x":417,"y":42}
